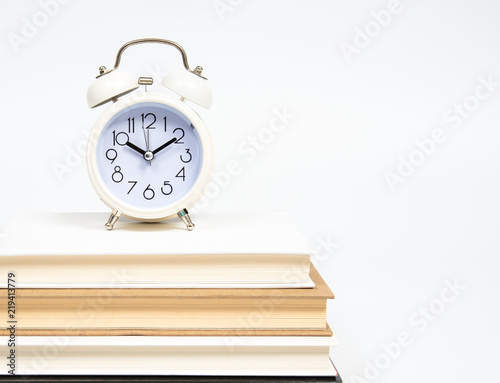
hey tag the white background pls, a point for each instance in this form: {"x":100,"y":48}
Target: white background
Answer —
{"x":356,"y":117}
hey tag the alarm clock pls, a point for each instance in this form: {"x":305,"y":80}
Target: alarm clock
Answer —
{"x":150,"y":155}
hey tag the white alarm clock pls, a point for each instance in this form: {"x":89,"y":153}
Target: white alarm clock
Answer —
{"x":150,"y":156}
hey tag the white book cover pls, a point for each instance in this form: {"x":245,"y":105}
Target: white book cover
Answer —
{"x":233,"y":250}
{"x":208,"y":355}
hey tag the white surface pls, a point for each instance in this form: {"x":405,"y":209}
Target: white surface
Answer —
{"x":391,"y":251}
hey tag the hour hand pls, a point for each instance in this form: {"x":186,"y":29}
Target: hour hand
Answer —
{"x":136,"y":148}
{"x":165,"y":145}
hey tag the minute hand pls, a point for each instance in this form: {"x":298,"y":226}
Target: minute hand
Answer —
{"x":164,"y":145}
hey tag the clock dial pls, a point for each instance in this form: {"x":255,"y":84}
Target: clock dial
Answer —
{"x":149,"y":155}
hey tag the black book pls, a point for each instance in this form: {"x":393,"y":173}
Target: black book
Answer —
{"x":158,"y":379}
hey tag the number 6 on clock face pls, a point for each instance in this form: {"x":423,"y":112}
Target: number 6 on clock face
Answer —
{"x":150,"y":157}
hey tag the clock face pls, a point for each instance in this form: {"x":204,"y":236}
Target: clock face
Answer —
{"x":149,"y":155}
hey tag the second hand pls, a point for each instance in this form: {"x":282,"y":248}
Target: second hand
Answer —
{"x":146,"y":140}
{"x":148,"y":148}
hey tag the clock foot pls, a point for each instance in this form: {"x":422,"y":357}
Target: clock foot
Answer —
{"x":184,"y":216}
{"x":112,"y":219}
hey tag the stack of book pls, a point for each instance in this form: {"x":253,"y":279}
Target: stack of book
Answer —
{"x":234,"y":300}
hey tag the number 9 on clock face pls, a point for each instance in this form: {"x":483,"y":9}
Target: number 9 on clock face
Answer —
{"x":148,"y":156}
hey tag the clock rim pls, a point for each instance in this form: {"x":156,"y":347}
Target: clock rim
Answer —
{"x":168,"y":211}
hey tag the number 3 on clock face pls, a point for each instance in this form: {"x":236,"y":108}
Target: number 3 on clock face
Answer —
{"x":148,"y":157}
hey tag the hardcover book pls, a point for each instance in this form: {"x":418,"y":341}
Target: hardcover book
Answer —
{"x":226,"y":250}
{"x":195,"y":356}
{"x":172,"y":311}
{"x":169,"y":379}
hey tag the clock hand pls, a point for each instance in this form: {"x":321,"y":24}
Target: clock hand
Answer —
{"x":165,"y":145}
{"x":146,"y":140}
{"x":148,"y":146}
{"x":136,"y":148}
